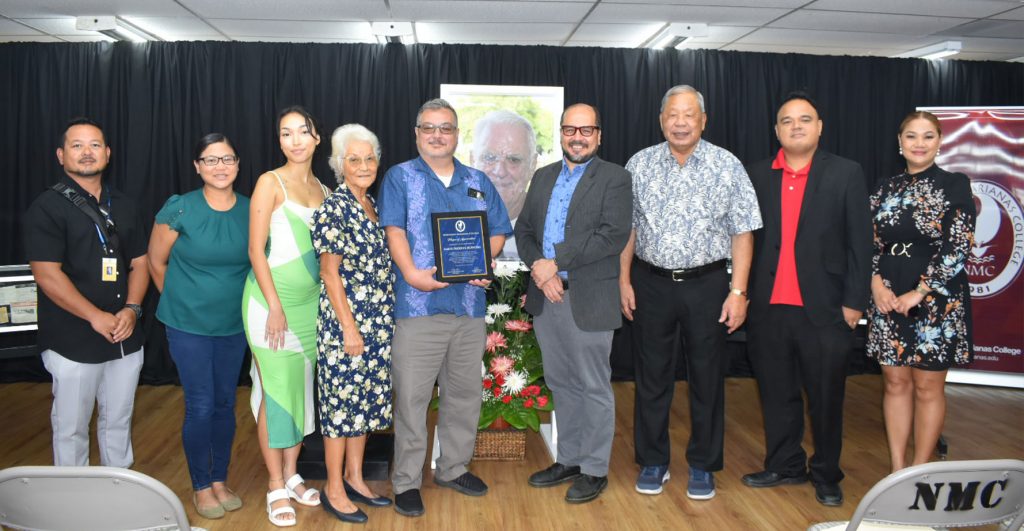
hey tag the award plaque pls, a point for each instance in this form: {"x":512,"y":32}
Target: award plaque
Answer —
{"x":462,"y":246}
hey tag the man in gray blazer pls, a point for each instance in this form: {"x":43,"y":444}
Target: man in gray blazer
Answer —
{"x":573,"y":226}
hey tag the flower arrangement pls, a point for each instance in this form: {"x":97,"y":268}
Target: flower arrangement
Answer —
{"x":512,"y":362}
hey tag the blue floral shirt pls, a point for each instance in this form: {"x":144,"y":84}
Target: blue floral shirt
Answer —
{"x":685,"y":215}
{"x":408,"y":195}
{"x":558,"y":208}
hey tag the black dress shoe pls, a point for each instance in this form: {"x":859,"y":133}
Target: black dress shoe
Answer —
{"x":585,"y":488}
{"x":767,"y":478}
{"x":554,"y":475}
{"x":358,"y":517}
{"x":828,"y":494}
{"x":409,"y":503}
{"x":354,"y":495}
{"x":467,"y":484}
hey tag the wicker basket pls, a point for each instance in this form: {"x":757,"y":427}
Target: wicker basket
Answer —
{"x":500,"y":445}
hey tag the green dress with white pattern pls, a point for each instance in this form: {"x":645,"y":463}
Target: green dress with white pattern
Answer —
{"x":285,"y":377}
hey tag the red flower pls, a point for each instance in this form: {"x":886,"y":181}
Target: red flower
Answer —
{"x":542,"y":401}
{"x":499,"y":379}
{"x":506,"y":399}
{"x":495,"y":340}
{"x":516,"y":325}
{"x":488,"y":383}
{"x":497,"y":391}
{"x":533,"y":390}
{"x":528,"y":402}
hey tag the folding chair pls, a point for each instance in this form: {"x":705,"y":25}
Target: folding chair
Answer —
{"x":940,"y":495}
{"x":84,"y":498}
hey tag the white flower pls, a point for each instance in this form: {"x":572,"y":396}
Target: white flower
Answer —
{"x":497,"y":310}
{"x":488,"y":319}
{"x":515,"y":381}
{"x":506,"y":268}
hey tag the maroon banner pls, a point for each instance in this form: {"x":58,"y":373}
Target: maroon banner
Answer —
{"x":987,"y":144}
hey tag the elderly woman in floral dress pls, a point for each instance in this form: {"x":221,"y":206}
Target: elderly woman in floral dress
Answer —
{"x":355,"y":324}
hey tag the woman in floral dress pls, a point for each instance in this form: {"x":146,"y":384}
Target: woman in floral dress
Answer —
{"x":355,"y":323}
{"x":919,"y":317}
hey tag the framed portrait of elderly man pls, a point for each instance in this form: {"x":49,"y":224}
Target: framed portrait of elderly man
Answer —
{"x":507,"y":132}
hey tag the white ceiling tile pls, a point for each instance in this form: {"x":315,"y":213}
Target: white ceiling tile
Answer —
{"x":492,"y":32}
{"x":981,"y":44}
{"x":285,"y":10}
{"x":984,"y":56}
{"x":867,"y":22}
{"x":1008,"y":29}
{"x":40,"y":8}
{"x":300,"y":30}
{"x":1015,"y":14}
{"x":631,"y":34}
{"x":731,"y":16}
{"x":939,"y":8}
{"x":314,"y":40}
{"x":85,"y":38}
{"x":501,"y":11}
{"x":792,"y":4}
{"x":599,"y":44}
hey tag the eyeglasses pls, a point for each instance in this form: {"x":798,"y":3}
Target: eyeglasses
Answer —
{"x":493,"y":159}
{"x":228,"y":160}
{"x":428,"y":128}
{"x":586,"y":130}
{"x":359,"y":161}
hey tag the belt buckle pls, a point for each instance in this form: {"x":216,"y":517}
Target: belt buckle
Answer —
{"x":681,"y":277}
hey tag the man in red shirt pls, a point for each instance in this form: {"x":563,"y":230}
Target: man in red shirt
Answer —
{"x":809,"y":285}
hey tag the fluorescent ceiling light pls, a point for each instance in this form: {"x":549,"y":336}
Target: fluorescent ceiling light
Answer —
{"x":675,"y":34}
{"x":115,"y":28}
{"x":935,"y":51}
{"x":393,"y":32}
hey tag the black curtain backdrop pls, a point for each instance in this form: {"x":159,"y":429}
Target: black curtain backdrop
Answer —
{"x":155,"y":99}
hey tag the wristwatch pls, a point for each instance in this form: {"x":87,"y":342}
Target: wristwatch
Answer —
{"x":135,"y":308}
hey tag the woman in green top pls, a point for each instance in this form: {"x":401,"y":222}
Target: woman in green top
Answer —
{"x":198,"y":259}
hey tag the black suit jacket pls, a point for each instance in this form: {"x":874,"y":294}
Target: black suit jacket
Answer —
{"x":833,"y":240}
{"x":596,"y":230}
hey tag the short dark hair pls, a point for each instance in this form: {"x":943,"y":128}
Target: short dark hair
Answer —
{"x":79,"y":120}
{"x":597,"y":113}
{"x":206,"y":141}
{"x":311,"y":124}
{"x":799,"y":95}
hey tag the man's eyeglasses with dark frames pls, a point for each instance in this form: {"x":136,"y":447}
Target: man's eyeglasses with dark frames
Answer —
{"x":586,"y":130}
{"x":428,"y":128}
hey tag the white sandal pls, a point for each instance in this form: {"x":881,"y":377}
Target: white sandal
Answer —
{"x":274,"y":514}
{"x":305,"y":499}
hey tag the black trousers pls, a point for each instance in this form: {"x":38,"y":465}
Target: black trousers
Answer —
{"x":787,"y":353}
{"x":662,"y":307}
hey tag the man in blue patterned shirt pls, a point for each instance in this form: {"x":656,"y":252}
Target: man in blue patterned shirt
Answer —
{"x":693,"y":209}
{"x":439,"y":327}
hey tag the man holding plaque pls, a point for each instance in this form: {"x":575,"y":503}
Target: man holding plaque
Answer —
{"x":431,"y":208}
{"x":573,"y":226}
{"x":693,"y":208}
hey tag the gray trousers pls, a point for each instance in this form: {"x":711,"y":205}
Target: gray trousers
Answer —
{"x":578,"y":371}
{"x":77,"y":387}
{"x":449,"y":350}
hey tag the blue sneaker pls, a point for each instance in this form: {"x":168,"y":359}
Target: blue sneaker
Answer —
{"x":701,"y":485}
{"x":651,"y":479}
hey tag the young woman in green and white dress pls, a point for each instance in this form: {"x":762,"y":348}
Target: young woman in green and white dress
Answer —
{"x":279,"y":309}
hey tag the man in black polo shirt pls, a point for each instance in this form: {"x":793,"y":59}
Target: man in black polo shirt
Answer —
{"x":87,"y":249}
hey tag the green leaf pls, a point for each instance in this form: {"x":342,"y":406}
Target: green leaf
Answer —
{"x":487,"y":416}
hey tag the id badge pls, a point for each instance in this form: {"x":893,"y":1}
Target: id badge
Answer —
{"x":109,"y":269}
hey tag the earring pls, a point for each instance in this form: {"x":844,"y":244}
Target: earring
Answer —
{"x":937,"y":151}
{"x":901,"y":150}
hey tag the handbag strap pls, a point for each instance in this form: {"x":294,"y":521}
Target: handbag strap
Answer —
{"x":102,"y":223}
